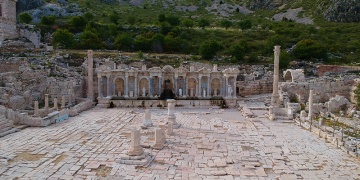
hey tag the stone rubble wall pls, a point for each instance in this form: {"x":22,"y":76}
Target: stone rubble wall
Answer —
{"x":32,"y":35}
{"x":247,"y":88}
{"x":323,"y":90}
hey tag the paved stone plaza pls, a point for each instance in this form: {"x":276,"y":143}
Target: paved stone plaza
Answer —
{"x":210,"y":144}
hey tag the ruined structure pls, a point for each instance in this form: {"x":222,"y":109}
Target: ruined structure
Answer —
{"x":7,"y":20}
{"x":117,"y":83}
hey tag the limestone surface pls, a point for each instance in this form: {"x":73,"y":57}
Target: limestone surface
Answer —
{"x":209,"y":145}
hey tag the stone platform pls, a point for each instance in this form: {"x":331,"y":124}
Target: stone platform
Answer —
{"x":210,"y":144}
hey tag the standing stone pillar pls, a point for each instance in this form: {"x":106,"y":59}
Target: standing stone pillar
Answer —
{"x":36,"y":108}
{"x":99,"y":86}
{"x":159,"y":84}
{"x":176,"y":86}
{"x":184,"y":88}
{"x":90,"y":78}
{"x":234,"y":88}
{"x":136,"y":91}
{"x":135,"y":148}
{"x":159,"y":139}
{"x":275,"y":101}
{"x":200,"y":88}
{"x":46,"y":102}
{"x":56,"y":104}
{"x":171,"y":112}
{"x":170,"y":130}
{"x":108,"y":86}
{"x":126,"y":86}
{"x":226,"y":86}
{"x":147,"y":120}
{"x":311,"y":101}
{"x":63,"y":102}
{"x":208,"y":87}
{"x":151,"y":84}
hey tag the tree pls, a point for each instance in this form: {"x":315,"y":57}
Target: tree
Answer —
{"x":90,"y":40}
{"x":47,"y":20}
{"x":309,"y":49}
{"x":209,"y":49}
{"x":78,"y":23}
{"x":165,"y":27}
{"x":161,"y":18}
{"x":114,"y":18}
{"x":64,"y":39}
{"x":172,"y":44}
{"x":187,"y":23}
{"x":245,"y":24}
{"x":157,"y":43}
{"x":238,"y":52}
{"x":285,"y":59}
{"x":25,"y":18}
{"x":88,"y":16}
{"x":173,"y":20}
{"x":225,"y":23}
{"x":124,"y":41}
{"x":131,"y":20}
{"x":203,"y":23}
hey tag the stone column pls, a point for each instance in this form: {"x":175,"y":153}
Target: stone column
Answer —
{"x":108,"y":86}
{"x":171,"y":112}
{"x":208,"y":87}
{"x":126,"y":86}
{"x":99,"y":86}
{"x":184,"y":88}
{"x":159,"y":139}
{"x":311,"y":99}
{"x":226,"y":86}
{"x":136,"y":91}
{"x":147,"y":120}
{"x":199,"y":89}
{"x":36,"y":108}
{"x":275,"y":95}
{"x":135,"y":148}
{"x":170,"y":130}
{"x":46,"y":102}
{"x":159,"y":84}
{"x":63,"y":102}
{"x":176,"y":86}
{"x":56,"y":104}
{"x":151,"y":84}
{"x":90,"y":78}
{"x":234,"y":88}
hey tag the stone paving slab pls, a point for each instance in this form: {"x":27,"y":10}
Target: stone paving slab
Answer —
{"x":210,"y":144}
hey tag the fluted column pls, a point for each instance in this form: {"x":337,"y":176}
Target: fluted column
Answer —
{"x":136,"y":91}
{"x":226,"y":86}
{"x":184,"y":88}
{"x":199,"y":87}
{"x":46,"y":102}
{"x":99,"y":87}
{"x":126,"y":86}
{"x":311,"y":104}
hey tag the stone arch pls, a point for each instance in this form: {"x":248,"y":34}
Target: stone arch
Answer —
{"x":294,"y":75}
{"x":288,"y":76}
{"x":143,"y":84}
{"x":119,"y":86}
{"x":191,"y":86}
{"x":215,"y":87}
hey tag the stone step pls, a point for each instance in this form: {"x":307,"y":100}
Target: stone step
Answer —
{"x":10,"y":131}
{"x":5,"y":129}
{"x":5,"y":124}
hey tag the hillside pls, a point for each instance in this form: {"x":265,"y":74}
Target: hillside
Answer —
{"x":239,"y":31}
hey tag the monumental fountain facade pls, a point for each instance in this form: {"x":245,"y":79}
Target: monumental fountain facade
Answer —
{"x":133,"y":86}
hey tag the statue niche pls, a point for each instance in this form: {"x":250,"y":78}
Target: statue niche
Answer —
{"x":167,"y":92}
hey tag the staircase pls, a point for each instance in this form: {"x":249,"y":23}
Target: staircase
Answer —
{"x":6,"y":126}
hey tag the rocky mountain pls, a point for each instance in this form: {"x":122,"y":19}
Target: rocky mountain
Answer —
{"x":265,"y":4}
{"x":24,"y":5}
{"x":343,"y":11}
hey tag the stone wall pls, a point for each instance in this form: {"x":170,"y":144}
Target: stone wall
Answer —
{"x":254,"y":87}
{"x":324,"y":89}
{"x":33,"y":36}
{"x":8,"y":20}
{"x":9,"y":67}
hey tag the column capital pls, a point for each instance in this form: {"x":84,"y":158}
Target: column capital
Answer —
{"x":99,"y":76}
